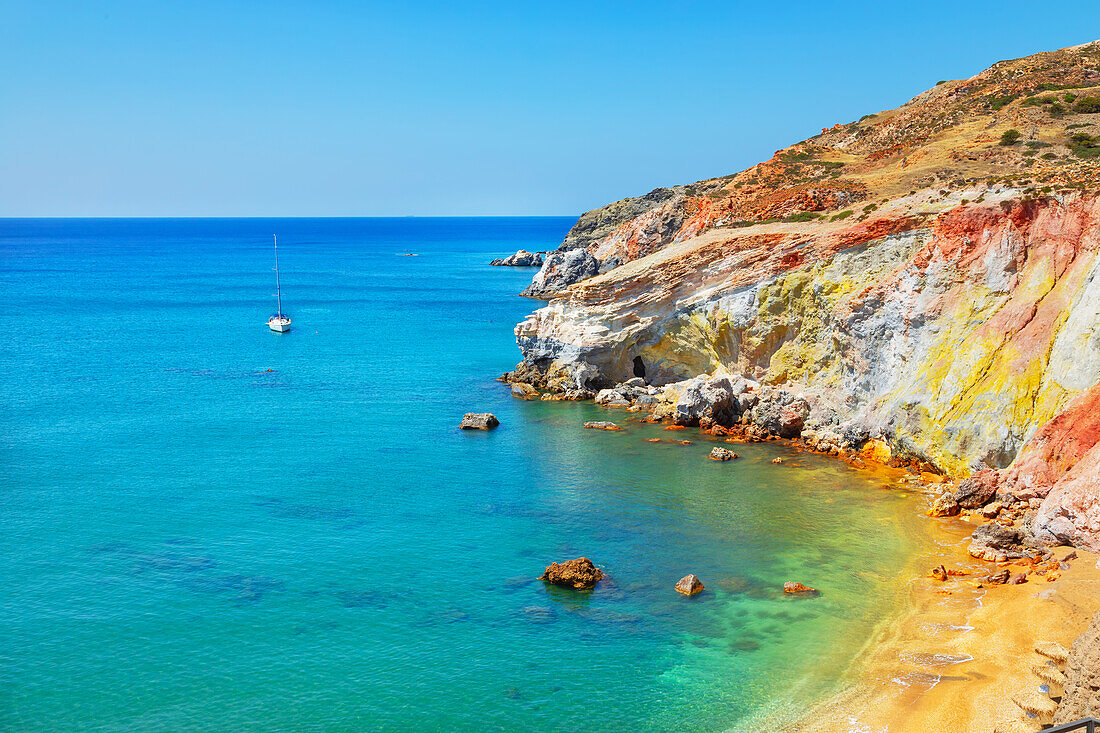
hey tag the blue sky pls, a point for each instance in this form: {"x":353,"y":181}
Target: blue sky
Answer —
{"x":282,"y":108}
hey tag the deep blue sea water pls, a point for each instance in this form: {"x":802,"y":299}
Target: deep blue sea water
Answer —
{"x":208,"y":526}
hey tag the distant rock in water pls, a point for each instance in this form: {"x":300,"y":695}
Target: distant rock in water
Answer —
{"x":580,"y":574}
{"x":479,"y":421}
{"x":601,"y":425}
{"x":689,"y":585}
{"x":722,"y":454}
{"x":560,"y":270}
{"x":522,"y":258}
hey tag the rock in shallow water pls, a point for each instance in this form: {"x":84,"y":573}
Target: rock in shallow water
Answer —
{"x":689,"y":585}
{"x":601,"y":425}
{"x":524,"y":391}
{"x":580,"y":574}
{"x":722,"y":454}
{"x":479,"y":421}
{"x":795,"y":587}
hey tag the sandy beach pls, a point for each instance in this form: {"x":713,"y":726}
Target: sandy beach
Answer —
{"x":955,"y":657}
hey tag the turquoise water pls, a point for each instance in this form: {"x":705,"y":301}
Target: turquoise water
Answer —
{"x":208,"y":526}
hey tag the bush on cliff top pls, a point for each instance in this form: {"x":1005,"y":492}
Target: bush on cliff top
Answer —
{"x":1010,"y":137}
{"x":1087,"y":105}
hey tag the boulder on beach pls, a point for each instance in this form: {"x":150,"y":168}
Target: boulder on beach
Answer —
{"x":978,"y":490}
{"x":479,"y":421}
{"x":722,"y":454}
{"x":795,"y":587}
{"x":580,"y":574}
{"x":999,"y":577}
{"x":944,"y":506}
{"x":601,"y":425}
{"x":689,"y":585}
{"x":995,"y":542}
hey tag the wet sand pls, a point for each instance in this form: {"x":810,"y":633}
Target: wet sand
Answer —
{"x":954,"y":658}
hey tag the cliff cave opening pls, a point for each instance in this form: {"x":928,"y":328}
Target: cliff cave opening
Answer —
{"x":639,"y":367}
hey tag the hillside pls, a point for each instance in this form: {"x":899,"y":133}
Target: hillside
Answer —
{"x":945,"y":139}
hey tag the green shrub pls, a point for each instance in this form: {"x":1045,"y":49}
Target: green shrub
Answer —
{"x":1048,"y":156}
{"x":803,"y":216}
{"x":1084,"y":145}
{"x":1057,"y":109}
{"x":1087,"y":106}
{"x":1069,"y":97}
{"x":996,"y":102}
{"x":1036,"y":144}
{"x":842,"y":215}
{"x":1010,"y":137}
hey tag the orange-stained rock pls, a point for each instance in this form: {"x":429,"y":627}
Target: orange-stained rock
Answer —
{"x":777,"y":460}
{"x":675,"y":427}
{"x":689,"y":585}
{"x":931,"y":478}
{"x":939,"y":573}
{"x":580,"y":574}
{"x":795,"y":587}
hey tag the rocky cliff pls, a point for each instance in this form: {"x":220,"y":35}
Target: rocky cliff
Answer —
{"x":928,"y":276}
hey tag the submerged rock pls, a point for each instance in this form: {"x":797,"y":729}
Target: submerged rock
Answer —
{"x":479,"y":421}
{"x":580,"y":574}
{"x":689,"y":585}
{"x":601,"y":425}
{"x":522,"y":258}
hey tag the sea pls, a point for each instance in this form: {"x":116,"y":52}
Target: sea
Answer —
{"x":209,"y":526}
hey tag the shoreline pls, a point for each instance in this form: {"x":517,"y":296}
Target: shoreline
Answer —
{"x":957,"y":647}
{"x":951,"y":655}
{"x":955,"y":655}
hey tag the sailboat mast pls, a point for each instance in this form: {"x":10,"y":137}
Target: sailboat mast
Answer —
{"x":278,"y":289}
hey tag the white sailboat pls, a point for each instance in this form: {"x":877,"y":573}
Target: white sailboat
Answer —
{"x":279,"y":321}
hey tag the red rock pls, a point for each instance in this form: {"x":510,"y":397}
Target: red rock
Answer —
{"x":794,"y":587}
{"x":580,"y":574}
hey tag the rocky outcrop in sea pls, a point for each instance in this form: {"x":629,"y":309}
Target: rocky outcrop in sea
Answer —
{"x":521,"y":258}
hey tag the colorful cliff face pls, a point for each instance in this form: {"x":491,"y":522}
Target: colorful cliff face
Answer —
{"x":919,"y":275}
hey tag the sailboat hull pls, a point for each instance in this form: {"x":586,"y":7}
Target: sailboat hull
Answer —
{"x":279,"y":326}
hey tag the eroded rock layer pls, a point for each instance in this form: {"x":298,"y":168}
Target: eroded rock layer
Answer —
{"x":953,"y":317}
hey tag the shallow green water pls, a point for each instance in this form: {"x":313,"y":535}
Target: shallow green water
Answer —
{"x":192,"y":542}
